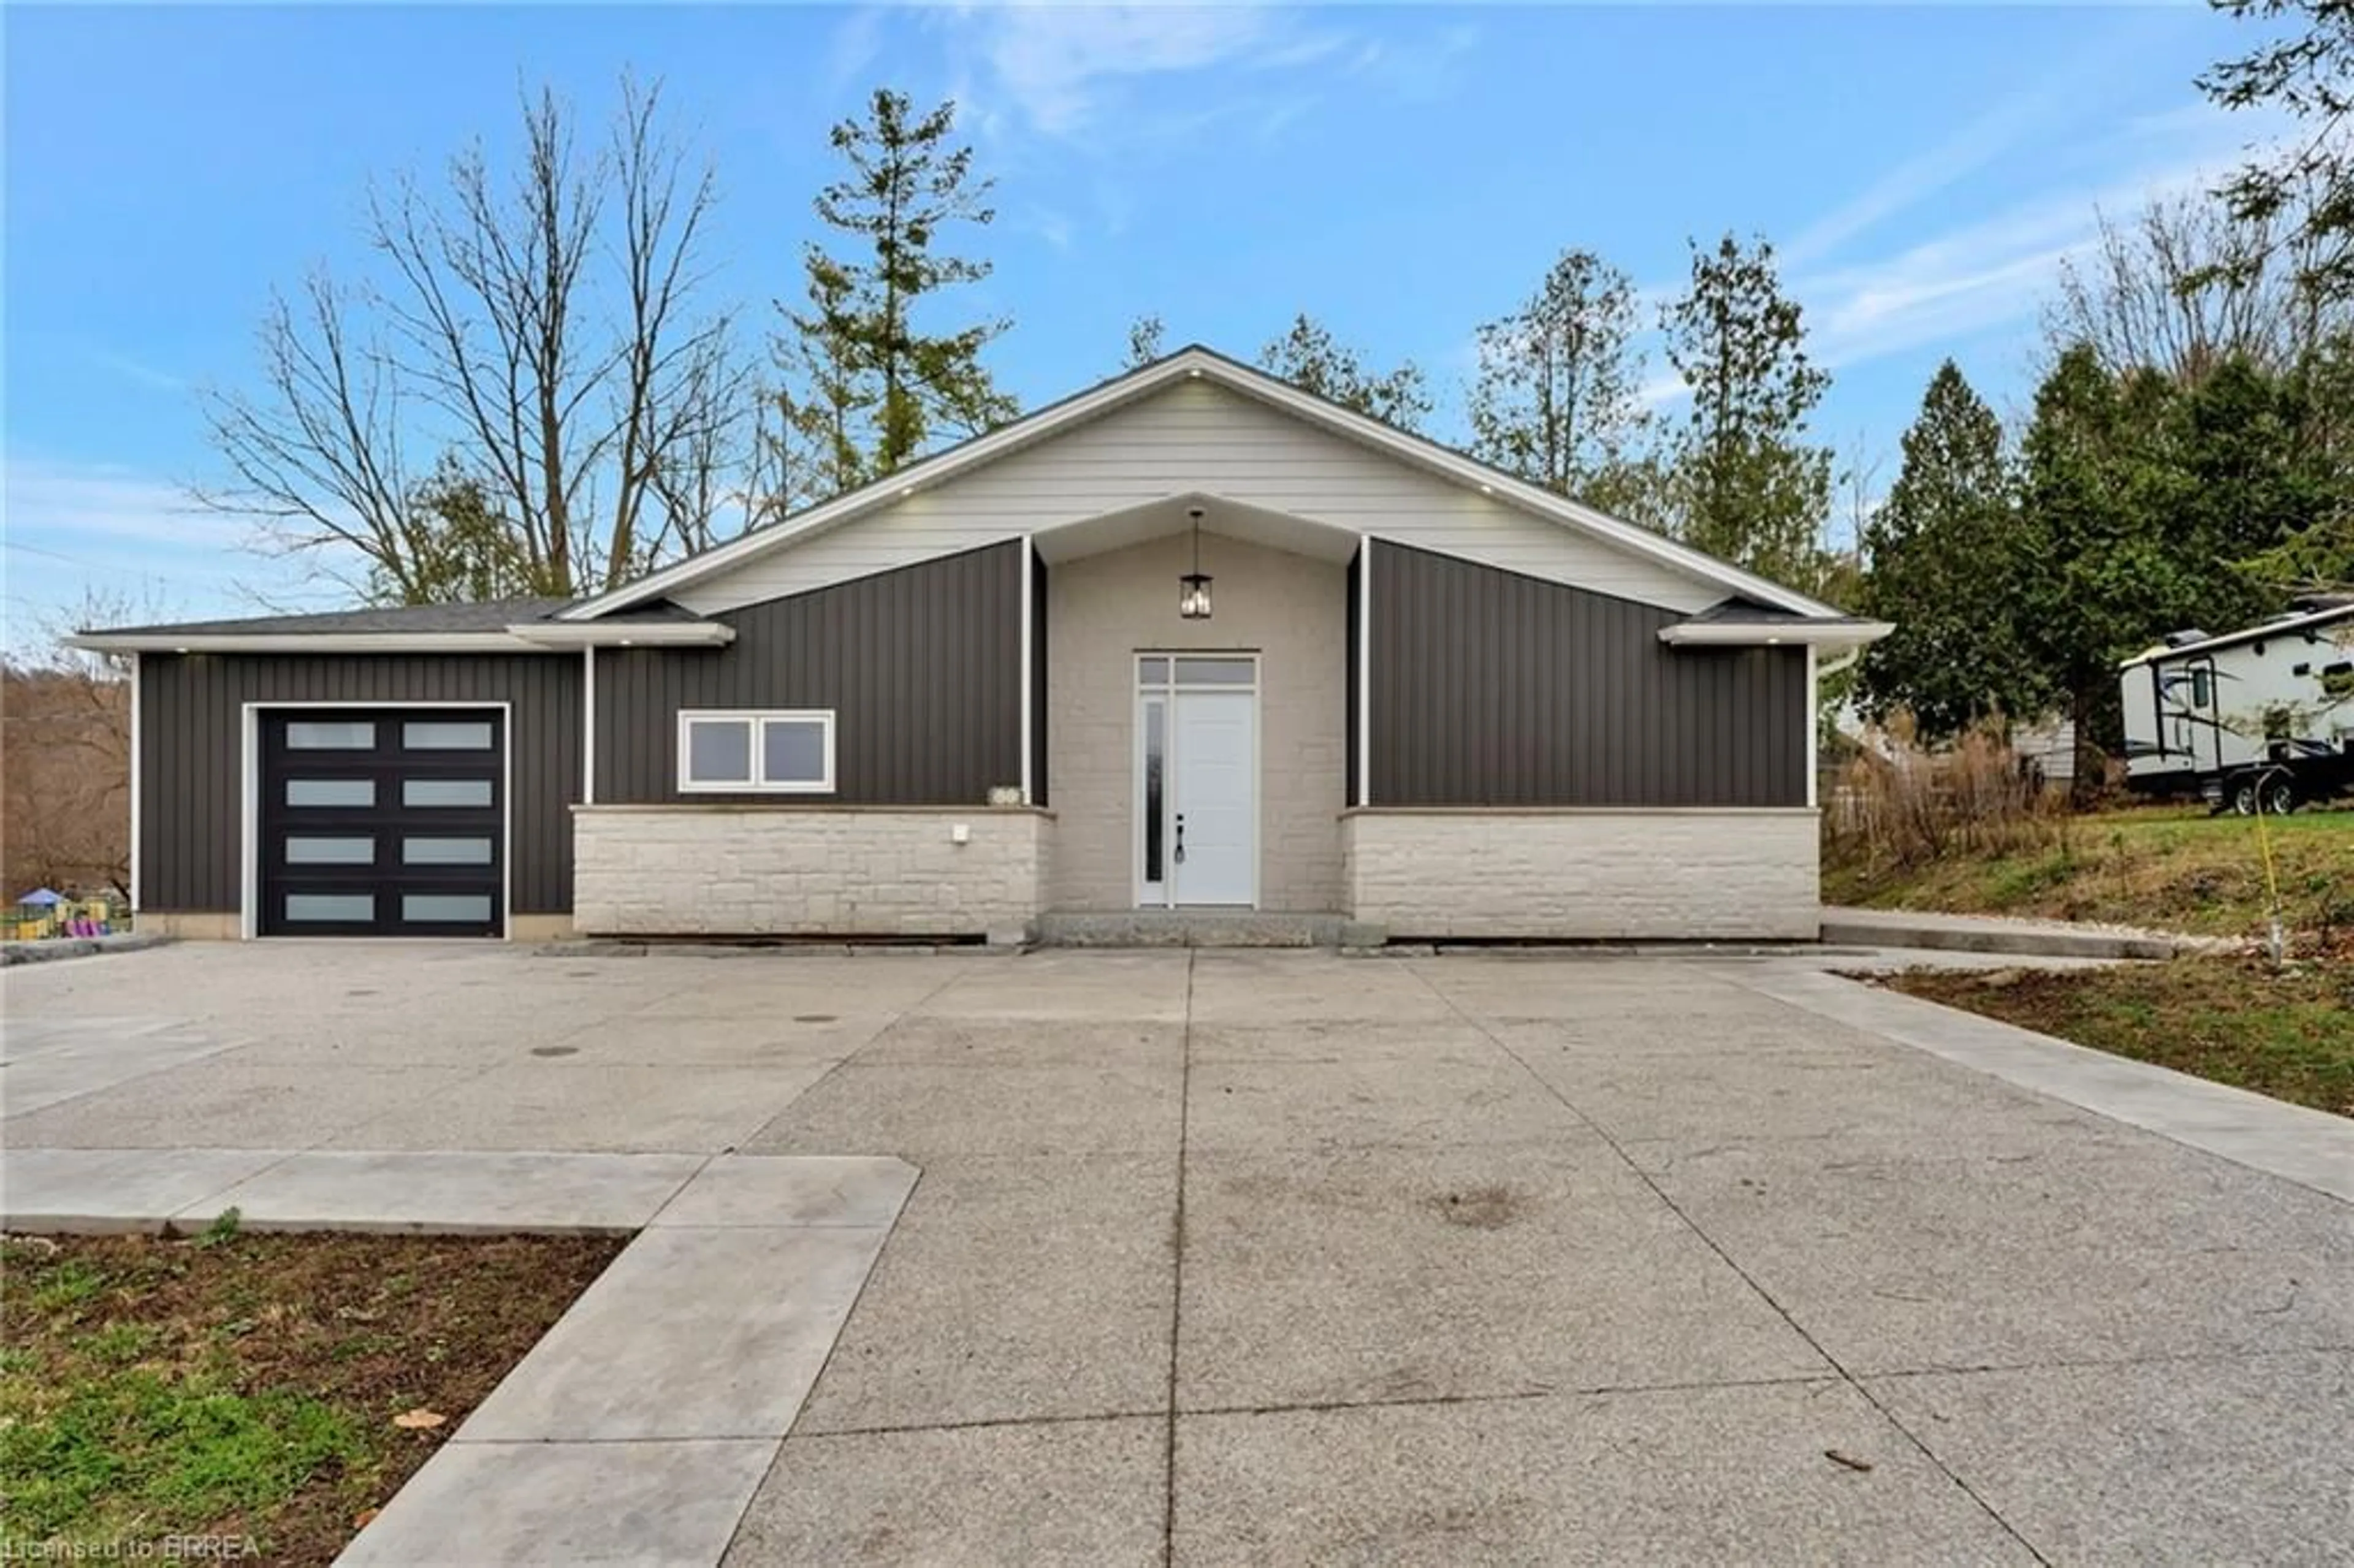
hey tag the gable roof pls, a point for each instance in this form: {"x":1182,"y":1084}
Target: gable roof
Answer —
{"x":1196,"y":361}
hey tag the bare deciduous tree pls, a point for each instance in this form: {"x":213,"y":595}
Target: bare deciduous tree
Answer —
{"x":1556,"y":396}
{"x":2182,"y":286}
{"x":65,"y":756}
{"x":543,"y":334}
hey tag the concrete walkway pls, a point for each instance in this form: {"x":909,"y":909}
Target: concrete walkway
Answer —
{"x":2310,"y":1148}
{"x":1222,"y":1257}
{"x":638,"y":1429}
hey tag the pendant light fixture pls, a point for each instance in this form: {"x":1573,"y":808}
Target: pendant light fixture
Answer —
{"x":1193,"y":588}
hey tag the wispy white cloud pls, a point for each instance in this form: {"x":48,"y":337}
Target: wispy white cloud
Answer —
{"x":1067,"y":69}
{"x":1985,"y":139}
{"x":1061,"y":66}
{"x":1998,"y":269}
{"x":141,"y":372}
{"x":62,"y":505}
{"x":74,"y":529}
{"x":856,"y":44}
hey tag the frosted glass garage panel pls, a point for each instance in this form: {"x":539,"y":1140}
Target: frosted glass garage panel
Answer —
{"x":330,"y":851}
{"x":331,"y":906}
{"x":445,"y":852}
{"x":433,"y":908}
{"x":323,"y":735}
{"x":447,"y":735}
{"x":445,"y":792}
{"x":330,"y":792}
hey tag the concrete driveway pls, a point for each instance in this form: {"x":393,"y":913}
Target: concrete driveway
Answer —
{"x":1245,"y":1257}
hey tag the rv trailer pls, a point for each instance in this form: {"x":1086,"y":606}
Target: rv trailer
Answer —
{"x":2258,"y":719}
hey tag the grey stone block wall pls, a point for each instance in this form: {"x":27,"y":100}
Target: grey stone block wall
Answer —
{"x":1579,"y":874}
{"x":734,"y":871}
{"x":1290,"y":611}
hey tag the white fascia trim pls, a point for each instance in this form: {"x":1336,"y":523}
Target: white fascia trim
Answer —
{"x":524,"y":638}
{"x":1199,"y":365}
{"x":304,"y":642}
{"x":1717,"y":634}
{"x":637,"y":634}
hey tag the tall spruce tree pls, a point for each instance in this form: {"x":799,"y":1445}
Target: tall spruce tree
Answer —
{"x":1554,"y":401}
{"x":1755,"y":492}
{"x":2106,"y":567}
{"x":870,"y":389}
{"x":1310,"y":357}
{"x":1942,"y":550}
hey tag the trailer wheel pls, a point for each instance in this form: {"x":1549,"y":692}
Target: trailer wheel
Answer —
{"x":2245,"y":796}
{"x":2280,"y":797}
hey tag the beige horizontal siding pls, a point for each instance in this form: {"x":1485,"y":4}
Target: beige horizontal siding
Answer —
{"x":1197,"y":436}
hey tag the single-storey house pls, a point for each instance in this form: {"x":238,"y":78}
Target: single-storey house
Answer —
{"x":1192,"y":639}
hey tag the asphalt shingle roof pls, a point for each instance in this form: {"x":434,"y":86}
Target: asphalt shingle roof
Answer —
{"x":490,"y":615}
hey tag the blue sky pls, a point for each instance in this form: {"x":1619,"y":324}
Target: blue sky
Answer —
{"x":1404,"y":173}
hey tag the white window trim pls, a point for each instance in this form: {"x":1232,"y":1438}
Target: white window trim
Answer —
{"x":756,"y":718}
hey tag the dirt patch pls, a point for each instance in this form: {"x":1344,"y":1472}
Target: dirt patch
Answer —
{"x":1480,"y":1208}
{"x":247,"y":1387}
{"x":2288,"y":1034}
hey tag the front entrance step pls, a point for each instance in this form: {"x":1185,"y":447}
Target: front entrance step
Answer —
{"x":1203,"y":929}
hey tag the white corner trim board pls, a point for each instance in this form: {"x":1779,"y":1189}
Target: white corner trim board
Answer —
{"x":136,"y":676}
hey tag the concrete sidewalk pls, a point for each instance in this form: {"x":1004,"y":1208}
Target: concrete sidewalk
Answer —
{"x":2310,"y":1148}
{"x":1936,"y":932}
{"x":639,"y":1427}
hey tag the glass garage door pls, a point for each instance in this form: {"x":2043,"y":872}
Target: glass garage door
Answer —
{"x":382,"y":823}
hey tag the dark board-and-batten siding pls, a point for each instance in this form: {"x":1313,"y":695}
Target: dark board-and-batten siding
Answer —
{"x":921,"y":666}
{"x":191,"y":757}
{"x":1494,"y":689}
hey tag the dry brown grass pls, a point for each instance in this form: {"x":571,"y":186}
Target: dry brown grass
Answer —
{"x":1897,"y":805}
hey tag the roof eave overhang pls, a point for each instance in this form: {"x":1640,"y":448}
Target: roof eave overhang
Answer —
{"x":1833,"y":635}
{"x":300,"y":642}
{"x":1195,"y":364}
{"x":626,"y":634}
{"x":532,"y":638}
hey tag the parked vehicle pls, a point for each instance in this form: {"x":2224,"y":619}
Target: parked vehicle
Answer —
{"x":2260,"y":718}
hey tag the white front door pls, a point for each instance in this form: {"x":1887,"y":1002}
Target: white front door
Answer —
{"x":1213,"y":835}
{"x":1197,"y":780}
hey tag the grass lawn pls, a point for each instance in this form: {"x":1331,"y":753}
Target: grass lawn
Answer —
{"x":2289,"y":1035}
{"x":2164,"y":868}
{"x":246,"y":1386}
